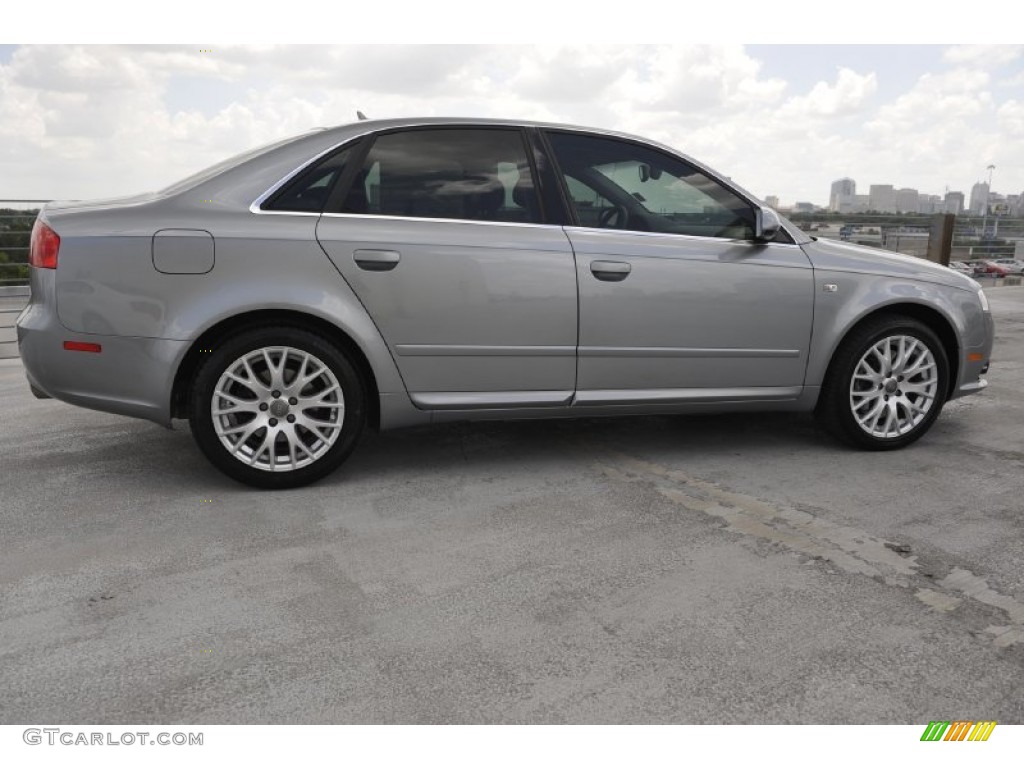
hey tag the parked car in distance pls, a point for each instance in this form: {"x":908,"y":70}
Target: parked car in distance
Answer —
{"x":986,"y":268}
{"x":1012,"y":266}
{"x":399,"y":272}
{"x":961,"y":267}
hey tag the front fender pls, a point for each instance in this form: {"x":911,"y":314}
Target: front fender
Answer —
{"x":858,"y":295}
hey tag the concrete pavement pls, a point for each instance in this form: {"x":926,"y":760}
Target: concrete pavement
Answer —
{"x":694,"y":570}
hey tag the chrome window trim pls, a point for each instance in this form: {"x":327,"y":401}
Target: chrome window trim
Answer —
{"x":570,"y":228}
{"x":384,"y":217}
{"x":254,"y":207}
{"x":284,"y":213}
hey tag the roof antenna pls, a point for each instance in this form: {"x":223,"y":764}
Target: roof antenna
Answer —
{"x":360,"y":115}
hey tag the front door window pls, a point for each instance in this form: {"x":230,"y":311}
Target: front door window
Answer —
{"x":615,"y":184}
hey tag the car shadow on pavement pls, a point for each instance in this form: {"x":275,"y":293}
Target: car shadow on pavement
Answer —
{"x":163,"y":461}
{"x":490,"y":445}
{"x":170,"y":459}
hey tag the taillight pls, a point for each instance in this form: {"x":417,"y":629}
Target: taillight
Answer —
{"x":43,"y":249}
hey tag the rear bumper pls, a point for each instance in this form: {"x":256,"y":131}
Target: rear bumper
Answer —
{"x":131,"y":376}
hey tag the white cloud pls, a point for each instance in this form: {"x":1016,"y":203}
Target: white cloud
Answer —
{"x":983,"y":55}
{"x":848,"y":95}
{"x":90,"y":121}
{"x":1011,"y":118}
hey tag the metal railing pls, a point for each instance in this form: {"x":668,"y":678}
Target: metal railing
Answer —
{"x":16,"y":219}
{"x":10,"y":308}
{"x":974,"y":237}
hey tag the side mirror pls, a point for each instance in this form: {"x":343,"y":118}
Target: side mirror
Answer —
{"x":766,"y":225}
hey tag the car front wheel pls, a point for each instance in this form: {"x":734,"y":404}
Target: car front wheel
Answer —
{"x":277,"y":407}
{"x":887,"y":384}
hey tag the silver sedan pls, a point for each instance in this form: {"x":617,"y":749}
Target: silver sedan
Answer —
{"x":391,"y":273}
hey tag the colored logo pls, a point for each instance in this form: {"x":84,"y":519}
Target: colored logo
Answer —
{"x":958,"y":730}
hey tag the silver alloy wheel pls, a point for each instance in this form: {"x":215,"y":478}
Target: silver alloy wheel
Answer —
{"x":278,"y":409}
{"x":894,"y":386}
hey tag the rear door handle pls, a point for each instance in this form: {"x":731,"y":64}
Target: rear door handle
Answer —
{"x":610,"y":271}
{"x":376,"y":261}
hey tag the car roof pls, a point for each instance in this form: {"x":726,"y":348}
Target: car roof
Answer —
{"x":368,"y":126}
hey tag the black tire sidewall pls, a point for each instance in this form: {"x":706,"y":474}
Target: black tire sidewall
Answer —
{"x":226,"y":353}
{"x":838,"y":414}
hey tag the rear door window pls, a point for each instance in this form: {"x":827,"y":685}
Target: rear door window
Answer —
{"x":473,"y":174}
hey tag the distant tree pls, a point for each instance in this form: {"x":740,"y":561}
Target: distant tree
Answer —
{"x":11,"y":270}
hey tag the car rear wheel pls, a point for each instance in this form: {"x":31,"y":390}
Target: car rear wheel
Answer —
{"x":277,"y":407}
{"x":886,"y":385}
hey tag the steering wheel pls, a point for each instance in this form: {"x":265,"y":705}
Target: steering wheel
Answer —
{"x":618,"y":213}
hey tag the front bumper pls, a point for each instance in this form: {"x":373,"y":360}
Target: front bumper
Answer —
{"x":131,"y":376}
{"x":975,"y":361}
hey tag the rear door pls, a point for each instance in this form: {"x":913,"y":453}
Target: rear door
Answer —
{"x":442,"y":237}
{"x":677,"y":302}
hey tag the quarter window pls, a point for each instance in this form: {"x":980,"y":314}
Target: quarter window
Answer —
{"x":450,"y":173}
{"x":620,"y":185}
{"x":308,"y":193}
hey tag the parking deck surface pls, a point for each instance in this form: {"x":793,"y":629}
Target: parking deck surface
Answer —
{"x":712,"y":569}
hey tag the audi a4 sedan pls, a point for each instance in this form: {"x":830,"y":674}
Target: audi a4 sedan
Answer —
{"x":391,"y":273}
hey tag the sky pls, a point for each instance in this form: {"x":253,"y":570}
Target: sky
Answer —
{"x":85,"y":121}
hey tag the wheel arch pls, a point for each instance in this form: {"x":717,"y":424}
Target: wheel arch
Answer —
{"x":936,"y":320}
{"x":217,"y":333}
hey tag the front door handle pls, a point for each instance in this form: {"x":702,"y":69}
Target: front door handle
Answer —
{"x":376,"y":261}
{"x":610,"y":271}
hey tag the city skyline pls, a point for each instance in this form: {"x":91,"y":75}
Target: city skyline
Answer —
{"x":888,"y":198}
{"x":994,"y":194}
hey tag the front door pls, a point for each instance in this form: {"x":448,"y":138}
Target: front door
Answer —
{"x":678,"y":303}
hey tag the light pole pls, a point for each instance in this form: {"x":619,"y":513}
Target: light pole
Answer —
{"x":988,"y":191}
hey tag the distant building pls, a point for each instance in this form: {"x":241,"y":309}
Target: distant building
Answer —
{"x":954,"y":202}
{"x":930,"y":204}
{"x":906,"y":200}
{"x":979,"y":196}
{"x":1016,"y":204}
{"x":772,"y":201}
{"x":804,"y":208}
{"x":842,"y":195}
{"x":882,"y":198}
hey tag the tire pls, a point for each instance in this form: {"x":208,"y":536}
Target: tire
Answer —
{"x":870,"y":370}
{"x":273,"y":431}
